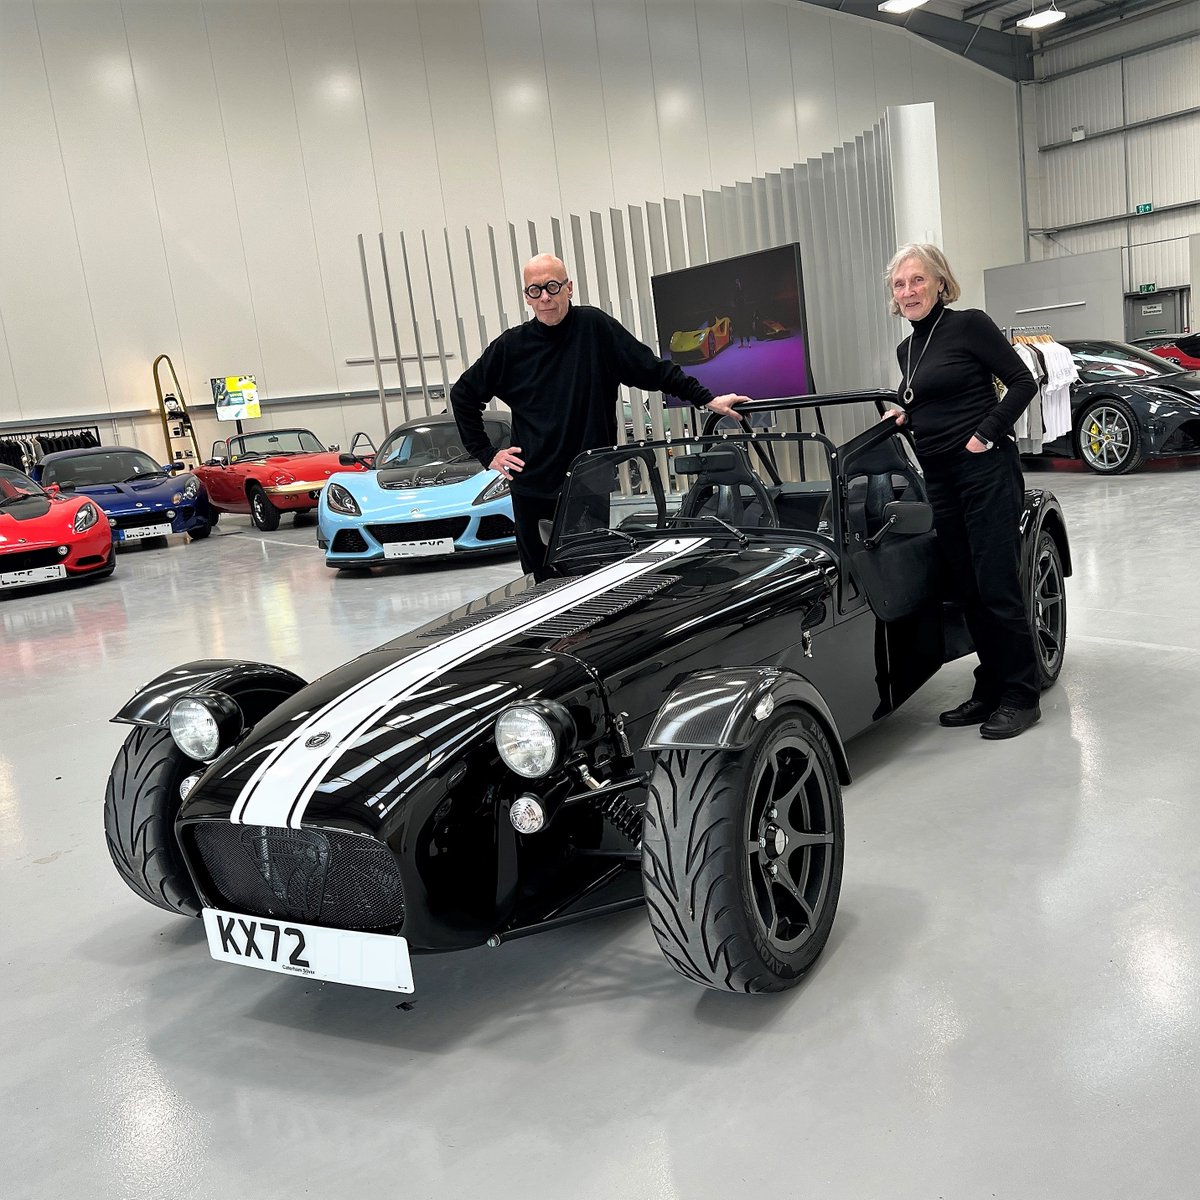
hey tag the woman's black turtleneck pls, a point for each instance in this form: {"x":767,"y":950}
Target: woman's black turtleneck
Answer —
{"x":561,"y":381}
{"x":953,"y":395}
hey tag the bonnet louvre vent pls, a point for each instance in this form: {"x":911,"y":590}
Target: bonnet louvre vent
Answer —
{"x":470,"y":620}
{"x":591,"y":612}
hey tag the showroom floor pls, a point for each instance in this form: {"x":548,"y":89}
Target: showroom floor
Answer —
{"x":1009,"y":1005}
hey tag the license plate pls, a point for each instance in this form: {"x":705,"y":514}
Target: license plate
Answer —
{"x":144,"y":531}
{"x":32,"y":575}
{"x":372,"y":960}
{"x":425,"y":549}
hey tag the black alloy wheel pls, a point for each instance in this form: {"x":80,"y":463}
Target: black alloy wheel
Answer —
{"x":263,"y":513}
{"x":1110,"y":441}
{"x":742,"y":855}
{"x":1048,"y":609}
{"x":140,"y":804}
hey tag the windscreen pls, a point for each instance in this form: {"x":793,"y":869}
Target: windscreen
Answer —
{"x":100,"y":467}
{"x":437,"y":442}
{"x":14,"y":485}
{"x":283,"y":441}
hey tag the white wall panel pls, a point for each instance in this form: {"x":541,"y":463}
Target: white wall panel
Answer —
{"x":520,"y":106}
{"x":811,"y":39}
{"x":1178,"y":23}
{"x":456,"y":68}
{"x":336,"y":154}
{"x":9,"y":408}
{"x":1084,"y":182}
{"x":258,"y":114}
{"x":728,"y":116}
{"x":404,"y":149}
{"x":194,"y":190}
{"x":678,"y":96}
{"x":113,"y":200}
{"x":772,"y":87}
{"x":1163,"y":81}
{"x":581,"y":131}
{"x":891,"y":64}
{"x":634,"y":148}
{"x":1091,"y":99}
{"x":853,"y":82}
{"x":44,"y":302}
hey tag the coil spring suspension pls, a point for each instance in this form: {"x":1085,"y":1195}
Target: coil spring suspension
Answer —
{"x":623,"y":814}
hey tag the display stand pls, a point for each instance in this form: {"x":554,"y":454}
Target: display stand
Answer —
{"x":178,"y":433}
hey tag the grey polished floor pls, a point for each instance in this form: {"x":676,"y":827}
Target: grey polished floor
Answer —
{"x":1009,"y":1005}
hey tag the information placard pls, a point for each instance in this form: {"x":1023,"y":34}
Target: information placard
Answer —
{"x":236,"y":397}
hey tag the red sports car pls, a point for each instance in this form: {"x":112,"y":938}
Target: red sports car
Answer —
{"x":45,"y":535}
{"x":267,"y":474}
{"x":1183,"y":349}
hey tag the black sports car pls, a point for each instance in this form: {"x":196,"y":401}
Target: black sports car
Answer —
{"x":1129,"y":405}
{"x":662,"y":722}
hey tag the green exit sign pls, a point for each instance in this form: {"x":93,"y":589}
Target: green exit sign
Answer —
{"x":1147,"y":287}
{"x":1144,"y":208}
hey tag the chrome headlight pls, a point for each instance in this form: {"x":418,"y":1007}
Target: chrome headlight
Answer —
{"x":496,"y":490}
{"x":86,"y":517}
{"x":340,"y":501}
{"x":190,"y":491}
{"x":534,"y":738}
{"x":204,"y":725}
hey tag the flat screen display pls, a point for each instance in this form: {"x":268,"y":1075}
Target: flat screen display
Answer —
{"x":738,"y":324}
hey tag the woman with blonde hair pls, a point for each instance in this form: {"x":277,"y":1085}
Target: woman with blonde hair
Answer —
{"x":973,"y":475}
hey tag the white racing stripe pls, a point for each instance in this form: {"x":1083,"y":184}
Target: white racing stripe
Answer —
{"x":279,"y":791}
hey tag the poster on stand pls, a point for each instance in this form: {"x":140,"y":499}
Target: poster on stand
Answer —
{"x":236,"y":397}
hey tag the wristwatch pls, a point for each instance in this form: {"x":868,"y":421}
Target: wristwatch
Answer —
{"x":986,"y":444}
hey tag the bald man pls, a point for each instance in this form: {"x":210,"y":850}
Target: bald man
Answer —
{"x":559,"y":375}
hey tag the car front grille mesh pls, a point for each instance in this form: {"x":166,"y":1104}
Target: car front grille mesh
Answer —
{"x":323,"y":877}
{"x":419,"y":531}
{"x":28,"y":560}
{"x":495,"y":526}
{"x":348,"y":541}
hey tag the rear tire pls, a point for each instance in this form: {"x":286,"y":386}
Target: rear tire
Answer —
{"x":263,"y":514}
{"x":1109,"y":438}
{"x":1048,"y":610}
{"x":742,"y":856}
{"x":140,"y":804}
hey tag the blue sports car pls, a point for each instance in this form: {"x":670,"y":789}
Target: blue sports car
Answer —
{"x":141,"y":499}
{"x":425,"y":497}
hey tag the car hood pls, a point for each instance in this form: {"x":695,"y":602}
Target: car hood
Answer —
{"x":120,"y":496}
{"x":407,"y":712}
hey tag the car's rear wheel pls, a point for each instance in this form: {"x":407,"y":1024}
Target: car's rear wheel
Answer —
{"x":1110,"y":441}
{"x":140,"y":804}
{"x":1048,"y":609}
{"x":263,"y":513}
{"x":742,"y":856}
{"x":711,"y":344}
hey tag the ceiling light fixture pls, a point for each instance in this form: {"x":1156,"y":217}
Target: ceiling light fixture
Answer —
{"x":900,"y":6}
{"x":1040,"y":20}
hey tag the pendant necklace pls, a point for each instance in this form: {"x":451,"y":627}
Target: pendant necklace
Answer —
{"x":909,"y":369}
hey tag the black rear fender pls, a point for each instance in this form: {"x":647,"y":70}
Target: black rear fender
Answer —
{"x":257,"y":687}
{"x":720,"y":710}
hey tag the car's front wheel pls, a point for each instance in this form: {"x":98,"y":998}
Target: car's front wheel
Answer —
{"x":263,"y":513}
{"x":140,"y":804}
{"x":1110,"y":441}
{"x":200,"y":532}
{"x":742,"y":856}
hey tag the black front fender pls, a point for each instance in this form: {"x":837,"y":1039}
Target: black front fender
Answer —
{"x":716,"y":710}
{"x":257,"y":688}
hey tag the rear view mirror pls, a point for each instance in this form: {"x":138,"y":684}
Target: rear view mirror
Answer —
{"x":349,"y":460}
{"x":908,"y":516}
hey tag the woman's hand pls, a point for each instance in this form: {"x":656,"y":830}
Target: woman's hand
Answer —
{"x":895,"y":414}
{"x":976,"y":446}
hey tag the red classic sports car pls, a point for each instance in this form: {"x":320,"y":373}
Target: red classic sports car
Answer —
{"x":46,"y":536}
{"x":267,"y":474}
{"x":1183,"y":349}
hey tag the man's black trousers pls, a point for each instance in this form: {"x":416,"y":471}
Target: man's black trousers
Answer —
{"x":528,"y":511}
{"x":977,"y":501}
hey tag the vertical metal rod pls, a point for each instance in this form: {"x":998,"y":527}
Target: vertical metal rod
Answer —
{"x":387,"y":284}
{"x":412,"y":305}
{"x":483,"y":337}
{"x":362,"y":256}
{"x":462,"y":331}
{"x":518,"y":277}
{"x":496,"y":278}
{"x":437,"y":325}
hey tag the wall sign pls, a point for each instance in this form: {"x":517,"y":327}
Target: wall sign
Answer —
{"x":1151,"y":310}
{"x":1147,"y":287}
{"x":236,"y":397}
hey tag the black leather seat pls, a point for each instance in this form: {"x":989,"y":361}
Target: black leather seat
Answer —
{"x":726,"y":486}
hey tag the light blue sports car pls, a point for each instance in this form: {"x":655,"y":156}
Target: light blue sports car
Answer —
{"x":425,"y":497}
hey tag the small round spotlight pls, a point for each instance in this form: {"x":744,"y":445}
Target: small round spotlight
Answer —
{"x":527,"y":814}
{"x":186,"y":785}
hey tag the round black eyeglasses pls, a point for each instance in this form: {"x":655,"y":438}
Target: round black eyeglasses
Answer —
{"x":534,"y":290}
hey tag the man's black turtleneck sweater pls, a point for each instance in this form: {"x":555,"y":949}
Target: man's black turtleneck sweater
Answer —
{"x":560,"y":381}
{"x":953,"y":396}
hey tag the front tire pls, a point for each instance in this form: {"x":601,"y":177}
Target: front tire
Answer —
{"x":200,"y":532}
{"x":263,"y":514}
{"x":1048,"y":610}
{"x":140,"y":804}
{"x":1109,"y":438}
{"x":742,"y":856}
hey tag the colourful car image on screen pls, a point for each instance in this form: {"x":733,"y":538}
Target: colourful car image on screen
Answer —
{"x":425,"y":497}
{"x":702,"y":343}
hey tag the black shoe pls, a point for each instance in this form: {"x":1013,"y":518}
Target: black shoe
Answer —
{"x":1007,"y":721}
{"x":969,"y":712}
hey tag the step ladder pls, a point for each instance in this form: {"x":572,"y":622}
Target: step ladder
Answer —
{"x":178,"y":433}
